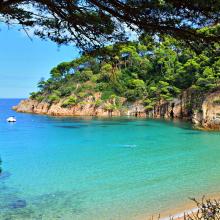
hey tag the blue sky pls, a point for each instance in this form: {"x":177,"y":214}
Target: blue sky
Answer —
{"x":23,"y":62}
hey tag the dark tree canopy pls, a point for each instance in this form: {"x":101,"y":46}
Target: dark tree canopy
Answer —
{"x":93,"y":23}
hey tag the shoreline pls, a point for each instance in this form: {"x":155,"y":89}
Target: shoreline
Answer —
{"x":179,"y":215}
{"x":176,"y":211}
{"x":188,"y":208}
{"x":199,"y":121}
{"x":186,"y":120}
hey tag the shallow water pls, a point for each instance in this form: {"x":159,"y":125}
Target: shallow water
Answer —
{"x":90,"y":168}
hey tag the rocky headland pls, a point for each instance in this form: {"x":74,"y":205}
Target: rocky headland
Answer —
{"x":202,"y":109}
{"x":147,"y":78}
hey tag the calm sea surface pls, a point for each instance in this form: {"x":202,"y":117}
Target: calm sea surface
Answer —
{"x":92,"y":168}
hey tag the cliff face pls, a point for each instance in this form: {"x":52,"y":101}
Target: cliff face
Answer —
{"x":87,"y":109}
{"x":202,"y":109}
{"x":210,"y":115}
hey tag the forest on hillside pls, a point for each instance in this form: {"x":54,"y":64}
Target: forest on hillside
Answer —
{"x":150,"y":70}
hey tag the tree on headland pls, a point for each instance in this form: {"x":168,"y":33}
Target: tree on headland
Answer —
{"x":151,"y":71}
{"x":93,"y":23}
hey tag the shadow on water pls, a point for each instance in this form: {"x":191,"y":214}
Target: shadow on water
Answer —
{"x":79,"y":122}
{"x":144,"y":125}
{"x":185,"y":124}
{"x":92,"y":119}
{"x":192,"y":132}
{"x":111,"y":124}
{"x":70,"y":126}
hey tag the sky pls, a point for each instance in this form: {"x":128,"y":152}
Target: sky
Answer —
{"x":24,"y":62}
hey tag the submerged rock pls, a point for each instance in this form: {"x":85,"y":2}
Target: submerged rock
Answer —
{"x":4,"y":175}
{"x":20,"y":203}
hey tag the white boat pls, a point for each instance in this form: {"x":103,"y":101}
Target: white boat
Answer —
{"x":11,"y":119}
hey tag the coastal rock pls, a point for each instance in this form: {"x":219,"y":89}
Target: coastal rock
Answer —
{"x":32,"y":106}
{"x":202,"y":109}
{"x":211,"y":111}
{"x":197,"y":118}
{"x":86,"y":109}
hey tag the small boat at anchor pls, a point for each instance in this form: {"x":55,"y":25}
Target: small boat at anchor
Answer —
{"x":11,"y":119}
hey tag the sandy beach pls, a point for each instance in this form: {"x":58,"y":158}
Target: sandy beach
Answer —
{"x":189,"y":208}
{"x":178,"y":212}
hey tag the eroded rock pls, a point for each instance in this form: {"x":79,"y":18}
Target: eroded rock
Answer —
{"x":202,"y":109}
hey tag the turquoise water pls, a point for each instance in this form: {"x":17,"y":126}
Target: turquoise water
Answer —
{"x":90,"y":168}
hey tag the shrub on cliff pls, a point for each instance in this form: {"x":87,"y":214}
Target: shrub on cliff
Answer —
{"x":110,"y":107}
{"x":72,"y":100}
{"x":106,"y":95}
{"x":216,"y":101}
{"x":33,"y":95}
{"x":37,"y":96}
{"x":83,"y":76}
{"x":98,"y":103}
{"x":66,"y":91}
{"x":53,"y":98}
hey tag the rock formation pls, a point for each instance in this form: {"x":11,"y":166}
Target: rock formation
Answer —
{"x":202,"y":109}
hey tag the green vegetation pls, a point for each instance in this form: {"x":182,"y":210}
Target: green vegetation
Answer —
{"x":72,"y":100}
{"x":151,"y":70}
{"x":216,"y":102}
{"x":94,"y":23}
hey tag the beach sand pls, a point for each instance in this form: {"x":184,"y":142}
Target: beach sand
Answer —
{"x":177,"y":213}
{"x":189,"y":208}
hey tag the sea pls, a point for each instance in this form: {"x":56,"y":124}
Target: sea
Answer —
{"x":90,"y":168}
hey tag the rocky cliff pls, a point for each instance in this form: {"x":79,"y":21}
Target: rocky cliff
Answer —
{"x":209,"y":116}
{"x":202,"y":109}
{"x":85,"y":109}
